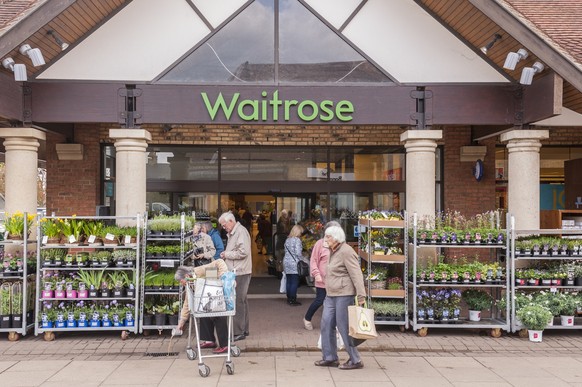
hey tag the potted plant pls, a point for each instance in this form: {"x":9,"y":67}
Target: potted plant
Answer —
{"x":92,"y":279}
{"x":94,"y":232}
{"x":14,"y":225}
{"x":51,"y":229}
{"x":477,"y":301}
{"x":72,"y":229}
{"x":119,"y":280}
{"x":535,"y":318}
{"x":568,"y":308}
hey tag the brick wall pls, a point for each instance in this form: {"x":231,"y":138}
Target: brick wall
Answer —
{"x":462,"y":192}
{"x":73,"y":185}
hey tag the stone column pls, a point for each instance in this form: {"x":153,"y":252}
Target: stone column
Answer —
{"x":523,"y":189}
{"x":21,"y":173}
{"x":130,"y":171}
{"x":420,"y":170}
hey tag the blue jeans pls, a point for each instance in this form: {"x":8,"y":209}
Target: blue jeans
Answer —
{"x":335,"y":313}
{"x":319,"y":297}
{"x":292,"y":285}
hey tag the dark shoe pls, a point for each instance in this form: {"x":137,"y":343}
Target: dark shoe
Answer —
{"x":207,"y":344}
{"x":327,"y":363}
{"x":348,"y":365}
{"x":293,"y":302}
{"x":246,"y":333}
{"x":240,"y":337}
{"x":220,"y":350}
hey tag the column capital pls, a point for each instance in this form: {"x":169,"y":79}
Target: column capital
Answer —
{"x":524,"y":135}
{"x":22,"y":139}
{"x":130,"y":140}
{"x":421,"y":140}
{"x":22,"y":133}
{"x":133,"y":134}
{"x":524,"y":140}
{"x":415,"y":134}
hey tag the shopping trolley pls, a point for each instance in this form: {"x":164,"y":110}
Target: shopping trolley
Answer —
{"x":207,"y":302}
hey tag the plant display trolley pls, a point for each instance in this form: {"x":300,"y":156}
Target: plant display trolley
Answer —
{"x":165,"y":247}
{"x":87,"y":274}
{"x":546,"y":270}
{"x":17,"y":283}
{"x":437,"y":292}
{"x":383,"y":247}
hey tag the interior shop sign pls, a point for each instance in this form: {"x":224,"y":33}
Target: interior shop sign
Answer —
{"x":273,"y":108}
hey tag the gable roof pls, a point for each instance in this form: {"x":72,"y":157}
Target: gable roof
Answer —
{"x":12,"y":11}
{"x":558,"y":21}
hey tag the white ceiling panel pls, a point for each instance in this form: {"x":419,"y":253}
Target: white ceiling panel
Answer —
{"x":137,"y":44}
{"x":217,"y":11}
{"x":415,"y":48}
{"x":335,"y":12}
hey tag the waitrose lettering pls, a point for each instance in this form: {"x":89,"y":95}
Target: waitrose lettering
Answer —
{"x":273,"y":107}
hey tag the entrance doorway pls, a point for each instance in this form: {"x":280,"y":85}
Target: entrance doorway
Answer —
{"x":263,"y":212}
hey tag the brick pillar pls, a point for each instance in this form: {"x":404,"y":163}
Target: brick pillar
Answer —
{"x":130,"y":171}
{"x":21,"y":146}
{"x":420,"y":170}
{"x":523,"y":190}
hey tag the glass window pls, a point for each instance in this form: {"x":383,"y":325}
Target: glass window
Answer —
{"x":242,"y":51}
{"x":182,"y":163}
{"x":366,"y":165}
{"x":273,"y":164}
{"x":325,"y":59}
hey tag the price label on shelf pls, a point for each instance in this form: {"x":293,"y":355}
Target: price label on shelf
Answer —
{"x":72,"y":239}
{"x":44,"y":240}
{"x":110,"y":237}
{"x":91,"y":239}
{"x":127,"y":239}
{"x":167,"y":263}
{"x":553,"y":290}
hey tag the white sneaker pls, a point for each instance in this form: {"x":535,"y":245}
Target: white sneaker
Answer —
{"x":308,"y":325}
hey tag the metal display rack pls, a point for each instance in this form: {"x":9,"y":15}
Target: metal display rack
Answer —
{"x":17,"y":286}
{"x":134,"y":269}
{"x":148,"y":261}
{"x":367,"y":254}
{"x":496,"y":323}
{"x":516,"y":257}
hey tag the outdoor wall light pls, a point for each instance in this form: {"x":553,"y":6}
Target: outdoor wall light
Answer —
{"x":488,"y":46}
{"x":19,"y":70}
{"x":514,"y":57}
{"x":58,"y":40}
{"x":33,"y":53}
{"x":528,"y":73}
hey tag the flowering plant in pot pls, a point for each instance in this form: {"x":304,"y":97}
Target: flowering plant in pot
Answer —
{"x":14,"y":224}
{"x":568,"y":307}
{"x":535,"y":318}
{"x":477,"y":301}
{"x":51,"y":229}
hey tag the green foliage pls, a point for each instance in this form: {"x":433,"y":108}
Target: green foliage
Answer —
{"x":534,"y":316}
{"x":477,"y":299}
{"x":92,"y":278}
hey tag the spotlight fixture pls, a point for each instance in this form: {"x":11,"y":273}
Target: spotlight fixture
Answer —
{"x":19,"y":70}
{"x":488,"y":46}
{"x":528,"y":73}
{"x":514,"y":57}
{"x":33,"y":53}
{"x":58,"y":40}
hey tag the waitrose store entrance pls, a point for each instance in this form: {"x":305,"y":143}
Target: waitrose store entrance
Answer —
{"x":313,"y":183}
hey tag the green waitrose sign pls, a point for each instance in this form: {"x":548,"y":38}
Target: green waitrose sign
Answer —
{"x":271,"y":108}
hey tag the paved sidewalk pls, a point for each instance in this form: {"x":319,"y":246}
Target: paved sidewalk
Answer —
{"x":280,"y":352}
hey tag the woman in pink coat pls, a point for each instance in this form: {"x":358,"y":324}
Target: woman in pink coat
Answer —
{"x":318,"y":267}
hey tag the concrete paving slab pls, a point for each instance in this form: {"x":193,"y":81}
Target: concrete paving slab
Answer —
{"x":24,"y":378}
{"x":405,"y":366}
{"x":4,"y":365}
{"x":463,"y":370}
{"x":33,"y":366}
{"x":79,"y":373}
{"x":513,"y":366}
{"x":411,"y":381}
{"x":139,"y":372}
{"x":533,"y":382}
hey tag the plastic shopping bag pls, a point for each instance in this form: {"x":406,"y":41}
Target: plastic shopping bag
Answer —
{"x":228,"y":280}
{"x":283,"y":286}
{"x":338,"y":337}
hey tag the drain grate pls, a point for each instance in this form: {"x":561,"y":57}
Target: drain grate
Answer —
{"x":161,"y":354}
